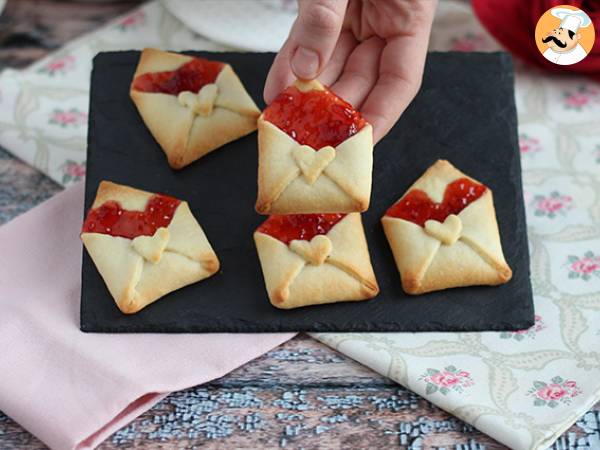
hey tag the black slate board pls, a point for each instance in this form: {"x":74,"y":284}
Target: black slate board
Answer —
{"x":465,"y":112}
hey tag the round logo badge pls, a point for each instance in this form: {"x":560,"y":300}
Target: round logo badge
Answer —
{"x":564,"y":35}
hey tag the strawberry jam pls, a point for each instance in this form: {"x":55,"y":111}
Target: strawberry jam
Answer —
{"x":111,"y":218}
{"x":417,"y":207}
{"x":299,"y":226}
{"x":314,"y":118}
{"x":189,"y":77}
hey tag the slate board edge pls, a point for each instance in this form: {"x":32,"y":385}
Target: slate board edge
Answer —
{"x":279,"y":328}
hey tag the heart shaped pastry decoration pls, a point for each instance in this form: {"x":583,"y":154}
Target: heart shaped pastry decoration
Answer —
{"x":311,"y":162}
{"x":314,"y":251}
{"x":151,"y":248}
{"x":201,"y":103}
{"x":447,"y":232}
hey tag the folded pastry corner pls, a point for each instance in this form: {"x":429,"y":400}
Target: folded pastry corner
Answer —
{"x":310,"y":259}
{"x":443,"y":233}
{"x":145,"y":245}
{"x":315,"y":153}
{"x":191,"y":105}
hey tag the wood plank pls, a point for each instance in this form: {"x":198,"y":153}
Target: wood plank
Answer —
{"x":304,"y":360}
{"x":301,"y":394}
{"x":30,"y":29}
{"x":21,"y":187}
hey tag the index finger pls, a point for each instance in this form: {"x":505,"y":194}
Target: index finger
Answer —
{"x":309,"y":46}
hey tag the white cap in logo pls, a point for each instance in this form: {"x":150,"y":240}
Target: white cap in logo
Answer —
{"x":570,"y":19}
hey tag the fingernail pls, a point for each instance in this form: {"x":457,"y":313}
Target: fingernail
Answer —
{"x":305,"y":63}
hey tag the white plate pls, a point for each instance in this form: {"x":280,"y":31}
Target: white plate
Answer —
{"x":253,"y":25}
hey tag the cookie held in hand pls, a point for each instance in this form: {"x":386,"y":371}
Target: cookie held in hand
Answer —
{"x":315,"y":153}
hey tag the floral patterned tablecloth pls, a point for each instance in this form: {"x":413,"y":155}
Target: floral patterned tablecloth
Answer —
{"x":523,"y":388}
{"x":43,"y":109}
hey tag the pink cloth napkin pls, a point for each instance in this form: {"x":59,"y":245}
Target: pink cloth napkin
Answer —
{"x":73,"y":389}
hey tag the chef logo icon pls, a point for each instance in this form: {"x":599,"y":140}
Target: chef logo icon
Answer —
{"x":564,"y":35}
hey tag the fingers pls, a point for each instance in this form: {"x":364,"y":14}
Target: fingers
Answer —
{"x":345,"y":45}
{"x":310,"y":45}
{"x":280,"y":74}
{"x":314,"y":35}
{"x":361,"y":72}
{"x":400,"y":74}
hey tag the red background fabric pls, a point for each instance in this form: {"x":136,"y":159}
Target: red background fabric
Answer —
{"x":512,"y":23}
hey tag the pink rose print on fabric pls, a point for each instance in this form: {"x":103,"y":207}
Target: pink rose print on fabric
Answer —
{"x":528,"y":145}
{"x":583,"y":97}
{"x":552,"y":205}
{"x":470,"y":42}
{"x":584,"y":267}
{"x":72,"y":171}
{"x":132,"y":21}
{"x":530,"y":332}
{"x":446,"y":380}
{"x":72,"y":117}
{"x":558,"y":391}
{"x":59,"y":65}
{"x":596,"y":152}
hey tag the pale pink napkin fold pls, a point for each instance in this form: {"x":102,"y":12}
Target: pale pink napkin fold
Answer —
{"x":73,"y":389}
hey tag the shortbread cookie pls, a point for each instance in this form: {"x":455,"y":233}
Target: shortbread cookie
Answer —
{"x":145,"y":245}
{"x":315,"y":153}
{"x":191,"y":105}
{"x":309,"y":259}
{"x":443,"y":233}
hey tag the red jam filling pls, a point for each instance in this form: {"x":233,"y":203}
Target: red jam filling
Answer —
{"x":189,"y":77}
{"x":417,"y":207}
{"x":111,"y":218}
{"x":299,"y":226}
{"x":314,"y":118}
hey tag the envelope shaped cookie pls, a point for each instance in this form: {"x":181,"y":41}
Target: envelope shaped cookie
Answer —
{"x":443,"y":233}
{"x":191,"y":105}
{"x":315,"y":153}
{"x":309,"y":259}
{"x":145,"y":245}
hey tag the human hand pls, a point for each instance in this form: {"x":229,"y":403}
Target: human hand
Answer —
{"x":370,"y":52}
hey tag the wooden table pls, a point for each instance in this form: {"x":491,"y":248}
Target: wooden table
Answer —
{"x":299,"y":395}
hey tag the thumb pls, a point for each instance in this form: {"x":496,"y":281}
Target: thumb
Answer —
{"x":314,"y":35}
